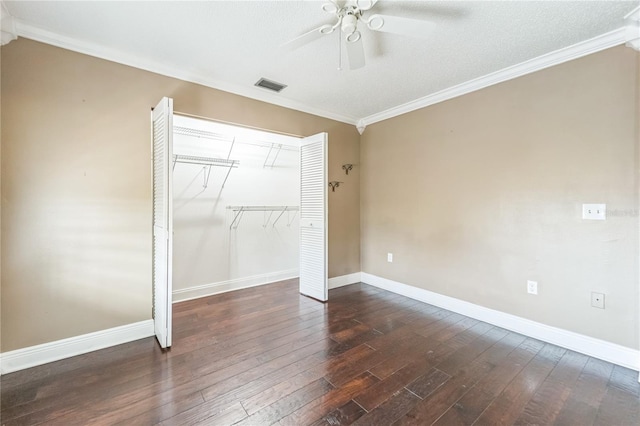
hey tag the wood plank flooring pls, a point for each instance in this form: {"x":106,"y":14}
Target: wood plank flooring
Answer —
{"x":267,"y":355}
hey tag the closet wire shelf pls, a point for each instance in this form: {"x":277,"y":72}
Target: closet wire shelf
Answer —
{"x":187,"y":131}
{"x":274,"y":148}
{"x":239,"y":212}
{"x":207,"y":162}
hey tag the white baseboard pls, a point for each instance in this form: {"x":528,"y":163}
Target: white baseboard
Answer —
{"x":204,"y":290}
{"x":343,"y":280}
{"x":591,"y":346}
{"x":53,"y":351}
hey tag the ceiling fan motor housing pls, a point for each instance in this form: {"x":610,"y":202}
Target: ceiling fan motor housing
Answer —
{"x":349,"y":23}
{"x":347,"y":15}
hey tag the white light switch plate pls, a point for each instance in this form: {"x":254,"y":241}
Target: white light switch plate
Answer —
{"x":594,"y":211}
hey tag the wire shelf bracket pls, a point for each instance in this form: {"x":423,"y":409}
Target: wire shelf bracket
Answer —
{"x":275,"y":157}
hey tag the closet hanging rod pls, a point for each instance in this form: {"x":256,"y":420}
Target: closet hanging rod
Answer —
{"x":263,"y":208}
{"x":241,"y":209}
{"x":204,"y":161}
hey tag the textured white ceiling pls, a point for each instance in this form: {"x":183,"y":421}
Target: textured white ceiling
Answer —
{"x":234,"y":43}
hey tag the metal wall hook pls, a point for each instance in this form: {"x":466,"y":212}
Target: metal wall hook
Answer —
{"x":334,"y":184}
{"x":347,"y":167}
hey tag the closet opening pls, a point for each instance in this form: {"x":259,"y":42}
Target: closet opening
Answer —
{"x":233,"y":207}
{"x":236,"y":202}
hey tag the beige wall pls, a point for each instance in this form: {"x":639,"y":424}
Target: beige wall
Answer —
{"x":473,"y":196}
{"x":479,"y":194}
{"x":76,"y":200}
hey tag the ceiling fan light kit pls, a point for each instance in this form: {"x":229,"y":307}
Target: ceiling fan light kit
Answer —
{"x":349,"y":23}
{"x":348,"y":15}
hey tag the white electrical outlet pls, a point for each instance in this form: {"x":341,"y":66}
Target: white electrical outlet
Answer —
{"x":532,"y":287}
{"x":594,"y":211}
{"x":390,"y":257}
{"x":597,"y":300}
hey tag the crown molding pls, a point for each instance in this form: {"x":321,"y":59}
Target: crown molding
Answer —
{"x":632,"y":34}
{"x":634,"y":15}
{"x":38,"y":34}
{"x":7,"y":25}
{"x":596,"y":44}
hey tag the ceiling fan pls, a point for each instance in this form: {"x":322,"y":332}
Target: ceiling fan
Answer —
{"x":349,"y":15}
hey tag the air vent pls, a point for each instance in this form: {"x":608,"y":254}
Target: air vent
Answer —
{"x":271,"y":85}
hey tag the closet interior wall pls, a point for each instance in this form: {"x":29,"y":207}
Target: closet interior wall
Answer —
{"x":239,"y":234}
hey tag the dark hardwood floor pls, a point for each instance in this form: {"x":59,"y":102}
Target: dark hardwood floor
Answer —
{"x":267,"y":355}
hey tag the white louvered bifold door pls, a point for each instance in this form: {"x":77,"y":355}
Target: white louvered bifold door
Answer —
{"x":313,"y":217}
{"x":162,"y":139}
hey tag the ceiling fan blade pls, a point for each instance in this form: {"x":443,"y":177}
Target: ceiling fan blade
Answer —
{"x":307,"y":37}
{"x":403,"y":26}
{"x":355,"y":54}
